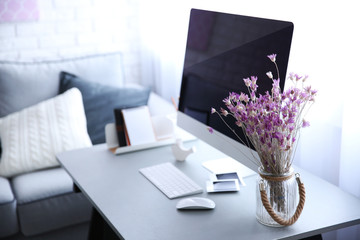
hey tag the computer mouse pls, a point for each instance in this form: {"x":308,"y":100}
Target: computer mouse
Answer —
{"x":195,"y":203}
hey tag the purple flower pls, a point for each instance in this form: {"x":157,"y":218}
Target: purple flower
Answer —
{"x":278,"y":135}
{"x":313,"y":92}
{"x":213,"y":110}
{"x":231,"y":108}
{"x":272,"y":57}
{"x":290,"y":120}
{"x":278,"y":121}
{"x":244,"y":97}
{"x":292,"y":76}
{"x":305,"y":123}
{"x":305,"y":78}
{"x":240,"y":107}
{"x":262,"y":140}
{"x":291,"y":128}
{"x":234,"y":96}
{"x":224,"y":112}
{"x":253,"y":96}
{"x":247,"y":82}
{"x":297,"y":77}
{"x":253,"y":85}
{"x":303,"y":95}
{"x":276,"y":83}
{"x":227,"y":101}
{"x":211,"y":130}
{"x":268,"y":126}
{"x":271,"y":121}
{"x":308,"y":89}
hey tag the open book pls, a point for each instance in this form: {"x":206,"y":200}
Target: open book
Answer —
{"x":138,"y":126}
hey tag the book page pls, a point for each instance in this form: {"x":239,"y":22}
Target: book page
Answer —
{"x":163,"y":127}
{"x":138,"y":125}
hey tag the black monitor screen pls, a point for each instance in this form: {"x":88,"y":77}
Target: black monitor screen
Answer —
{"x":223,"y":49}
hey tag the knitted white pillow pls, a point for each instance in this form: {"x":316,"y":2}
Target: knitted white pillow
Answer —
{"x":33,"y":136}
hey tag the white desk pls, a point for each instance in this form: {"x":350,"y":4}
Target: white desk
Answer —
{"x":136,"y":209}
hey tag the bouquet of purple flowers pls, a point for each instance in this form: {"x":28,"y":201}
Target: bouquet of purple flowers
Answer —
{"x":271,"y":121}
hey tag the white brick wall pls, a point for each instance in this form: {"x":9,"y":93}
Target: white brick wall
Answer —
{"x":69,"y":28}
{"x":7,"y":30}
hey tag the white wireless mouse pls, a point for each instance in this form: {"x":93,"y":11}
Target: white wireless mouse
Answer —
{"x":195,"y":203}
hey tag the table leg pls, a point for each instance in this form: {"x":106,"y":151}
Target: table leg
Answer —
{"x":99,"y":229}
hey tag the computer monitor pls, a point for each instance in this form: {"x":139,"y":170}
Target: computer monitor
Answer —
{"x":222,"y":49}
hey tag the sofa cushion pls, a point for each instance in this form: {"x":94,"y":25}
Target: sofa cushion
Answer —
{"x":100,"y":101}
{"x":33,"y":136}
{"x":8,"y":217}
{"x":38,"y":185}
{"x":6,"y":194}
{"x":38,"y":81}
{"x":46,"y":201}
{"x":53,"y":213}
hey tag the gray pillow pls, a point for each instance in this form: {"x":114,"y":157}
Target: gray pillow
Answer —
{"x":100,"y":100}
{"x":23,"y":84}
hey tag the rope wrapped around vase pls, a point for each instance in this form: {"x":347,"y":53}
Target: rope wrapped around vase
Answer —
{"x":269,"y":208}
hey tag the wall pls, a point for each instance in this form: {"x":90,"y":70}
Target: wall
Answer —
{"x":72,"y":28}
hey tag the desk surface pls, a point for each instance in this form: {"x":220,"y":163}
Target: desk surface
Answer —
{"x":136,"y":209}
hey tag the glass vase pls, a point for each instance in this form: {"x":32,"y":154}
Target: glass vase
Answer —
{"x":282,"y":194}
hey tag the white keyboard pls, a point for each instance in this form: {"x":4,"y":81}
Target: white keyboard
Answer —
{"x":170,"y":180}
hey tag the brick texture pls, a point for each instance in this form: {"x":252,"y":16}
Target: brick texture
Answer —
{"x":67,"y":28}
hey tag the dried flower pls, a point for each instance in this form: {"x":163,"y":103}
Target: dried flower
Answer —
{"x":272,"y":57}
{"x":247,"y":82}
{"x":210,"y":129}
{"x":306,"y":77}
{"x":224,"y":112}
{"x":305,"y":123}
{"x":271,"y":121}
